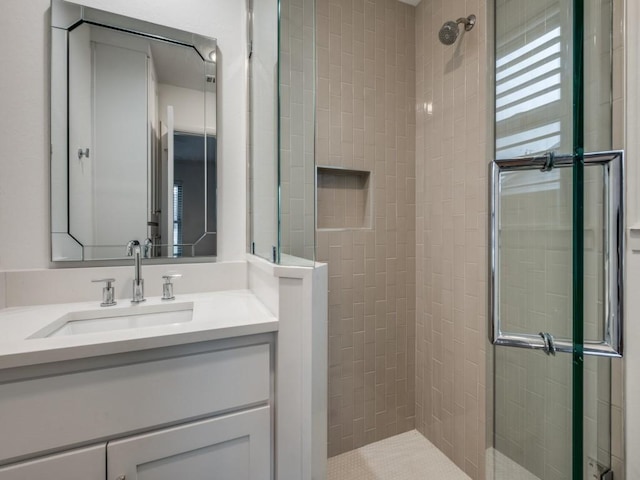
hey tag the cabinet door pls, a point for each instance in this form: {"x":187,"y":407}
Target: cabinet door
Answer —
{"x":232,"y":447}
{"x":82,"y":464}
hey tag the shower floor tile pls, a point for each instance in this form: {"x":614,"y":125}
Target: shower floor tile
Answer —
{"x":500,"y":467}
{"x":408,"y":456}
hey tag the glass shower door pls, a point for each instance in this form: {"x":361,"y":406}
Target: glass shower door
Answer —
{"x":556,"y":242}
{"x":533,"y":391}
{"x":539,"y":400}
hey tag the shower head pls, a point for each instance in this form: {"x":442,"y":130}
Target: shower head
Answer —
{"x":449,"y":31}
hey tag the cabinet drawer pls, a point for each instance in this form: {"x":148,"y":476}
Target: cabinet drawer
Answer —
{"x":50,"y":413}
{"x":81,"y":464}
{"x":230,"y":447}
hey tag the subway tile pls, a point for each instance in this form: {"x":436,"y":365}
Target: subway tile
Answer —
{"x":441,"y":275}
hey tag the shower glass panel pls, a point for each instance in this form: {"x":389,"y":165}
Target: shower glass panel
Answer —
{"x":282,"y":131}
{"x":533,"y":241}
{"x":297,"y":168}
{"x":533,"y":391}
{"x":533,"y":409}
{"x":532,"y":437}
{"x":263,"y":129}
{"x":535,"y":251}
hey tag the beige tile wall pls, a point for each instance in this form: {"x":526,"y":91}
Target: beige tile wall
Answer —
{"x":451,"y":185}
{"x":344,"y":199}
{"x":366,"y":121}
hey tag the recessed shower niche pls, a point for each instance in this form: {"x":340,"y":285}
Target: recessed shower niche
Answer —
{"x":344,"y":198}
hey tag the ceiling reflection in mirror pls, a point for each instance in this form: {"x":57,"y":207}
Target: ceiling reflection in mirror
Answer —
{"x":138,"y":159}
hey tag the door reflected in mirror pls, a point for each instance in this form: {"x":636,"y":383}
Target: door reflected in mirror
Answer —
{"x":193,"y":199}
{"x":140,"y":156}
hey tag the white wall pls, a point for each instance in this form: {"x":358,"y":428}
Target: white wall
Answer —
{"x":24,"y":160}
{"x":24,"y":125}
{"x":187,"y":108}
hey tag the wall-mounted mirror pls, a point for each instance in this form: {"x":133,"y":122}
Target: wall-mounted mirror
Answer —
{"x":133,"y":137}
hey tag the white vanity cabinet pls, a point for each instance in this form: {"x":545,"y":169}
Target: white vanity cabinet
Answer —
{"x":232,"y":447}
{"x":81,"y":464}
{"x":191,"y":412}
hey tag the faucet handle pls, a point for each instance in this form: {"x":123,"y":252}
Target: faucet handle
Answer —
{"x":148,"y":245}
{"x":108,"y":292}
{"x":167,"y":288}
{"x":169,"y":276}
{"x":130,"y":245}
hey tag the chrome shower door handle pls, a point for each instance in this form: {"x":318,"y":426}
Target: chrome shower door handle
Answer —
{"x":612,"y":267}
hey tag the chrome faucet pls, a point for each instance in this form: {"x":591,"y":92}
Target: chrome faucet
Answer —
{"x":138,"y":251}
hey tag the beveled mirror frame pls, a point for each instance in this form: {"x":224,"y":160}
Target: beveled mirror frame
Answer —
{"x":64,"y":16}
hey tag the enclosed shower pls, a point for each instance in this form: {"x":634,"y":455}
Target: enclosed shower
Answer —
{"x":421,"y":112}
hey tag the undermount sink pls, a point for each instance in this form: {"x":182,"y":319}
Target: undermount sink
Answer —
{"x":107,"y":320}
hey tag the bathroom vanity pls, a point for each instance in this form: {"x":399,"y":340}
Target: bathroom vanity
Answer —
{"x":235,"y":382}
{"x":151,"y":402}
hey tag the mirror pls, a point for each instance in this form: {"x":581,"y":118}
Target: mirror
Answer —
{"x":133,"y":137}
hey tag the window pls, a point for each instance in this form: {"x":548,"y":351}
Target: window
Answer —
{"x":529,"y":88}
{"x":531,"y":111}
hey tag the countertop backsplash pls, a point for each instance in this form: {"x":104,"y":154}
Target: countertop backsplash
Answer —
{"x":65,"y":285}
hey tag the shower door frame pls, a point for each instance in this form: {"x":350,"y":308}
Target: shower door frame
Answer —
{"x":612,"y":343}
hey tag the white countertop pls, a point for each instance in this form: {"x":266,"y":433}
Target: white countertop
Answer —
{"x":216,"y":315}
